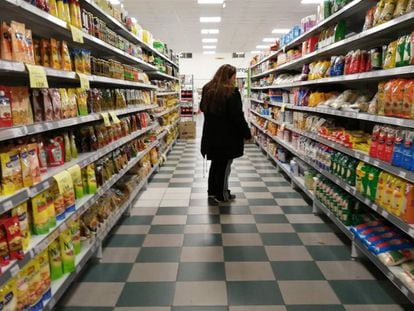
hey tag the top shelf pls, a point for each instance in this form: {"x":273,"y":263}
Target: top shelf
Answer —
{"x":118,"y":27}
{"x":347,"y":11}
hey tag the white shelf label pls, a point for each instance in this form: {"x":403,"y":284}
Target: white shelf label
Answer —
{"x":385,"y":213}
{"x":14,"y":270}
{"x":404,"y":290}
{"x":8,"y":204}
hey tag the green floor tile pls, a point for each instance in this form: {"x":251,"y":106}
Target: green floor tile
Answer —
{"x":239,"y":228}
{"x":297,"y":209}
{"x":201,"y":271}
{"x":203,"y":240}
{"x":327,"y":253}
{"x":255,"y":189}
{"x":262,"y":202}
{"x":234,"y":210}
{"x":245,"y":253}
{"x":202,"y":219}
{"x":287,"y":195}
{"x":159,"y":254}
{"x":367,"y":292}
{"x":137,"y":220}
{"x":172,"y":211}
{"x":254,"y":293}
{"x":315,"y":308}
{"x":106,"y":272}
{"x":296,"y":270}
{"x":271,"y":219}
{"x":125,"y":240}
{"x":147,"y":294}
{"x":312,"y":227}
{"x":281,"y":239}
{"x":277,"y":184}
{"x":167,"y":229}
{"x":200,"y":308}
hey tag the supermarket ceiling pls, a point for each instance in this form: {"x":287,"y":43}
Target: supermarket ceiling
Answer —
{"x":244,"y":23}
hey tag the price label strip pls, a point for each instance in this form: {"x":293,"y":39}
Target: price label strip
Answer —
{"x":114,"y":117}
{"x":84,"y":81}
{"x":77,"y":34}
{"x":37,"y":77}
{"x":105,"y":116}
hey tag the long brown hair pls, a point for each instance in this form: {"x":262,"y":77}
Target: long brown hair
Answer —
{"x":218,"y":90}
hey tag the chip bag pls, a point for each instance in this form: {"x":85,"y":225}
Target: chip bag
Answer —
{"x":68,"y":251}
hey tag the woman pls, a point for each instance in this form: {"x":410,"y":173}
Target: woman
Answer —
{"x":224,"y":130}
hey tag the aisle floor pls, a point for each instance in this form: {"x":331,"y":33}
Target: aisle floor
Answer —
{"x":264,"y":252}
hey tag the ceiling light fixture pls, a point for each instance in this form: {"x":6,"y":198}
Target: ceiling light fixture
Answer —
{"x":262,"y":47}
{"x":209,"y":47}
{"x":210,"y":1}
{"x":211,"y":19}
{"x":269,"y":40}
{"x":209,"y":52}
{"x":209,"y":40}
{"x":210,"y":31}
{"x":115,"y":2}
{"x":311,"y":1}
{"x":281,"y":30}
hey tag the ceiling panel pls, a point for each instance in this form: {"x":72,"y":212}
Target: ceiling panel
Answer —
{"x":244,"y":22}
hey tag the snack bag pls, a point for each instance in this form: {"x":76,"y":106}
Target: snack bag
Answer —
{"x":395,"y":258}
{"x":5,"y":42}
{"x":22,"y":290}
{"x":74,"y":227}
{"x":381,"y":98}
{"x":378,"y":11}
{"x":54,"y":57}
{"x":34,"y":280}
{"x":399,"y":56}
{"x":55,"y":260}
{"x":29,"y":47}
{"x":388,"y":193}
{"x":18,"y":38}
{"x":91,"y":179}
{"x":373,"y":175}
{"x":56,"y":104}
{"x":67,"y":250}
{"x":398,"y":201}
{"x":82,"y":102}
{"x":40,"y":214}
{"x":66,"y":63}
{"x":6,"y":119}
{"x":407,"y":51}
{"x":65,"y":103}
{"x":43,"y":259}
{"x":9,"y":292}
{"x":388,"y":11}
{"x":21,"y":108}
{"x":408,"y":98}
{"x":34,"y":163}
{"x":400,"y":7}
{"x":73,"y":106}
{"x":388,"y":88}
{"x":407,"y":213}
{"x":65,"y":186}
{"x":22,"y":215}
{"x":75,"y":172}
{"x":26,"y":169}
{"x":390,"y":57}
{"x":4,"y":248}
{"x":382,"y":183}
{"x":50,"y":202}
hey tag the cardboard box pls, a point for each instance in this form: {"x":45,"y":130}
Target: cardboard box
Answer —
{"x":188,"y":130}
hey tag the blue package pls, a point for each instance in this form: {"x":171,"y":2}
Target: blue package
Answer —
{"x":392,"y":245}
{"x":398,"y":154}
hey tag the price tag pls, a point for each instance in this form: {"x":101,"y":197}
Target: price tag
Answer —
{"x":282,"y":109}
{"x":14,"y":270}
{"x":37,"y":77}
{"x":105,"y":116}
{"x":114,"y":117}
{"x":8,"y":205}
{"x":385,"y":213}
{"x":84,"y":81}
{"x":77,"y":34}
{"x":404,"y":290}
{"x":411,"y":232}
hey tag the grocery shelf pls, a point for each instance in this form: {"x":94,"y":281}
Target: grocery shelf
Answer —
{"x":161,"y":135}
{"x":257,"y":100}
{"x":119,"y":28}
{"x":167,"y":93}
{"x":174,"y":124}
{"x":60,"y":286}
{"x":333,"y":218}
{"x":407,"y":228}
{"x":41,"y":242}
{"x":111,"y":81}
{"x":268,"y":118}
{"x":161,"y":75}
{"x":45,"y":25}
{"x":8,"y":202}
{"x":376,"y":75}
{"x":163,"y":113}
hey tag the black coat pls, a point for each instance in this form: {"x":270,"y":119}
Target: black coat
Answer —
{"x":223,"y":135}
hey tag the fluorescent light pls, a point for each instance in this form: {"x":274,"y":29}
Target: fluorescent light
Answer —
{"x":211,"y":19}
{"x":311,"y":1}
{"x":255,"y":52}
{"x":115,"y":2}
{"x":209,"y":52}
{"x":270,"y":40}
{"x":210,"y":1}
{"x":209,"y":47}
{"x":262,"y":47}
{"x":209,"y":31}
{"x":209,"y":40}
{"x":280,"y":30}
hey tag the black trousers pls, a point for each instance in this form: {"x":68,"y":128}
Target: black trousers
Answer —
{"x":218,"y":178}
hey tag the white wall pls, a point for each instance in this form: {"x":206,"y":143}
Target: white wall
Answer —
{"x":204,"y":66}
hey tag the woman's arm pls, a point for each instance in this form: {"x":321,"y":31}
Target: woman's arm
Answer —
{"x":237,"y":116}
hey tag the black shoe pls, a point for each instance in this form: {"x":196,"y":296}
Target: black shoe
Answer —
{"x":231,"y":196}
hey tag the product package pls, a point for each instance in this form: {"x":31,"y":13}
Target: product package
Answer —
{"x":65,"y":186}
{"x":67,"y":250}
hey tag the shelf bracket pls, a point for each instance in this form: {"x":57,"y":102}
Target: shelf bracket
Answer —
{"x":315,"y":208}
{"x":293,"y":184}
{"x":98,"y":253}
{"x":355,"y":252}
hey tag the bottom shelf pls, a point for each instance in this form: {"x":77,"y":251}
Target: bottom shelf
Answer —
{"x":391,"y":272}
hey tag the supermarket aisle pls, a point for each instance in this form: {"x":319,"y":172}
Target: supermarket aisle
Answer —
{"x":176,"y":253}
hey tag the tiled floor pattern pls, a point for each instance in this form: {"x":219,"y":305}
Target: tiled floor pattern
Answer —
{"x":264,"y":252}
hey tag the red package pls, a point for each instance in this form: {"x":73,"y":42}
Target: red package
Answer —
{"x":55,"y":156}
{"x":37,"y":99}
{"x":348,"y":61}
{"x":6,"y":119}
{"x":42,"y":156}
{"x":4,"y":248}
{"x":373,"y":151}
{"x":381,"y":144}
{"x":14,"y":237}
{"x":365,"y":60}
{"x":356,"y":62}
{"x":389,"y":145}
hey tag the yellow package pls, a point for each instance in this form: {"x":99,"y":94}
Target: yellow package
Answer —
{"x":360,"y":174}
{"x":43,"y":259}
{"x":388,"y":194}
{"x":388,"y":11}
{"x":54,"y":56}
{"x":9,"y":294}
{"x":22,"y":214}
{"x":58,"y":202}
{"x":67,"y":251}
{"x":91,"y":179}
{"x":382,"y":183}
{"x":390,"y":56}
{"x":32,"y":271}
{"x":378,"y":11}
{"x":73,"y":105}
{"x":64,"y":100}
{"x":400,"y":7}
{"x":65,"y":186}
{"x":22,"y":290}
{"x":50,"y":202}
{"x":26,"y":169}
{"x":66,"y":63}
{"x":75,"y":173}
{"x":82,"y":102}
{"x":40,"y":214}
{"x":55,"y":260}
{"x":398,"y":200}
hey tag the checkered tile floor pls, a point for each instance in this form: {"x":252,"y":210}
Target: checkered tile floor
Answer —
{"x":264,"y":252}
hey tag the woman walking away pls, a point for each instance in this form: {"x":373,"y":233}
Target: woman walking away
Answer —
{"x":224,"y":130}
